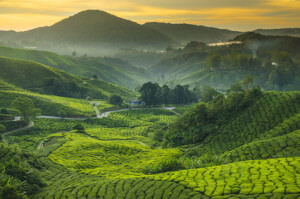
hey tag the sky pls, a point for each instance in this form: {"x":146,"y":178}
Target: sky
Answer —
{"x":242,"y":15}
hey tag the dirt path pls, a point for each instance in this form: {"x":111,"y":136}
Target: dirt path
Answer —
{"x":142,"y":143}
{"x":16,"y":130}
{"x":96,"y":109}
{"x":105,"y":114}
{"x":41,"y":145}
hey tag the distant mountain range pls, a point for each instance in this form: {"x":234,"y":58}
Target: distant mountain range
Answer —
{"x":187,"y":32}
{"x":95,"y":32}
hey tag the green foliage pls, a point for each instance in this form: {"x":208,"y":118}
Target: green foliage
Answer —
{"x":153,"y":94}
{"x":115,"y":100}
{"x":17,"y":177}
{"x":150,"y":93}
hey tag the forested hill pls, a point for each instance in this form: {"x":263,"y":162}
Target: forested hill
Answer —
{"x":40,"y":78}
{"x":92,"y":29}
{"x":274,"y":60}
{"x":242,"y":126}
{"x":270,"y":43}
{"x":188,"y":32}
{"x":295,"y":32}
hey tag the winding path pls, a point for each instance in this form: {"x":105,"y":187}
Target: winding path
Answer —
{"x":98,"y":115}
{"x":16,"y":130}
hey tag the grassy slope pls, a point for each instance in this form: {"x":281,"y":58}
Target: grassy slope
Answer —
{"x":107,"y":70}
{"x":261,"y":147}
{"x":31,"y":76}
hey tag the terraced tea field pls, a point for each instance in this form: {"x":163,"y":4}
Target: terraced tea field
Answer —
{"x":50,"y":104}
{"x":118,"y":157}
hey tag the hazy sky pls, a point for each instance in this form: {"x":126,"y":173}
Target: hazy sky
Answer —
{"x":231,"y":14}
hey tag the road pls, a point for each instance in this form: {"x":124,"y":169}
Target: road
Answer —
{"x":98,"y":115}
{"x":101,"y":115}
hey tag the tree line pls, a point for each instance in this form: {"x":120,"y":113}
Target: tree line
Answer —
{"x":214,"y":110}
{"x":154,"y":94}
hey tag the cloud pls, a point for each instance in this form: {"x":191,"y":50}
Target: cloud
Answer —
{"x":235,"y":14}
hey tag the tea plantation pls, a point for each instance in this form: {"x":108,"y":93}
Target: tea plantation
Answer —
{"x":254,"y":154}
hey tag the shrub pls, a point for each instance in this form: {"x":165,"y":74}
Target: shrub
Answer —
{"x":115,"y":100}
{"x":79,"y":127}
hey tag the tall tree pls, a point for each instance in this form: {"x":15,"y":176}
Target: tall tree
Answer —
{"x":26,"y":108}
{"x":115,"y":100}
{"x":165,"y":94}
{"x":149,"y":93}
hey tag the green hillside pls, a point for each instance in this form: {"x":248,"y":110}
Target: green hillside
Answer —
{"x":36,"y":77}
{"x":253,"y":153}
{"x":267,"y":128}
{"x":274,"y":60}
{"x":107,"y":69}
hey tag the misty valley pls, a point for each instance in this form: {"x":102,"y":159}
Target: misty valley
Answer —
{"x":98,"y":106}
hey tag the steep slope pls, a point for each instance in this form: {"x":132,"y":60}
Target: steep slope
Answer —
{"x":188,"y":32}
{"x":33,"y":76}
{"x":93,"y":29}
{"x":269,"y":128}
{"x":112,"y":70}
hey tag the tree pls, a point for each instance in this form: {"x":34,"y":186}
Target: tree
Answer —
{"x":178,"y":95}
{"x":165,"y":94}
{"x":26,"y":108}
{"x":79,"y":128}
{"x":208,"y":93}
{"x":115,"y":100}
{"x":149,"y":93}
